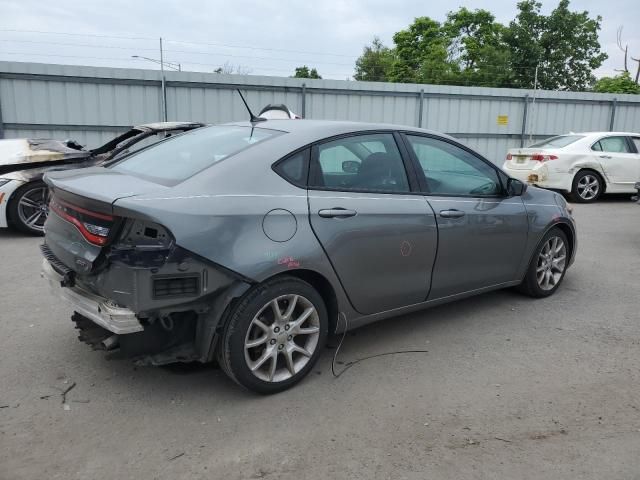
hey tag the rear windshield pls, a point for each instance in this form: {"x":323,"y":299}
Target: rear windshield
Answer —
{"x":176,"y":159}
{"x":557,"y":142}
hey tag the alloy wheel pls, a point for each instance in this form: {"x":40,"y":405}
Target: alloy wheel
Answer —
{"x":588,"y":187}
{"x":282,"y":338}
{"x":33,"y":208}
{"x":552,"y":261}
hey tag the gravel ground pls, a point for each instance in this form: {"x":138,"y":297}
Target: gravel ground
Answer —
{"x":510,"y":388}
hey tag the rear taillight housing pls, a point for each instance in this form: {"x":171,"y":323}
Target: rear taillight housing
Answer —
{"x":509,"y":156}
{"x":541,"y":157}
{"x":94,"y":226}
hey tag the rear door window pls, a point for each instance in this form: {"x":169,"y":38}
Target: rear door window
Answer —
{"x":362,"y":163}
{"x":613,"y":145}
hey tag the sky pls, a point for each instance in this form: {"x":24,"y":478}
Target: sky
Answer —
{"x":260,"y":37}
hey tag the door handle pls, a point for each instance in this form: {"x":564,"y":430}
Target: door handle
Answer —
{"x":605,"y":156}
{"x":453,"y":213}
{"x":337,"y":212}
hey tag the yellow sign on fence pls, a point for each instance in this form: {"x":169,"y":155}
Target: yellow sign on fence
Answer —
{"x":503,"y":119}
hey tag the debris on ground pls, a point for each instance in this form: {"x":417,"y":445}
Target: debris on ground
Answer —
{"x":67,"y":390}
{"x":176,"y":456}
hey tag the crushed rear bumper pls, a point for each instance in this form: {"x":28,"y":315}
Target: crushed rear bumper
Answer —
{"x":102,"y":311}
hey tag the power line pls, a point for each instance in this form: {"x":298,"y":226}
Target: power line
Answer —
{"x":292,"y":60}
{"x":177,"y":41}
{"x":263,"y":48}
{"x":121,"y":47}
{"x":462,"y":83}
{"x":78,"y":34}
{"x":136,"y":60}
{"x":435,"y":81}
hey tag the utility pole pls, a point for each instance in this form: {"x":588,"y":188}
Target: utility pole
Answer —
{"x":164,"y":86}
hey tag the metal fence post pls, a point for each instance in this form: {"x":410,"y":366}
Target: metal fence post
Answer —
{"x":523,"y":132}
{"x":420,"y":107}
{"x":614,"y":102}
{"x":1,"y":124}
{"x":304,"y":100}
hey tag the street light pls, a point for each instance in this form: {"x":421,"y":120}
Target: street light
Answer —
{"x":174,"y":65}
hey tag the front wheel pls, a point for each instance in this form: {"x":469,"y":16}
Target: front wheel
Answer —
{"x":548,"y":265}
{"x":274,"y":335}
{"x":29,"y":207}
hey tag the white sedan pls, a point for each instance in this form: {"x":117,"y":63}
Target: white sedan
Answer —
{"x":583,"y":164}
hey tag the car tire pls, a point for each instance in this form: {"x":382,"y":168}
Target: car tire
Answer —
{"x":267,"y":352}
{"x":29,"y":207}
{"x":587,"y":186}
{"x":547,"y":266}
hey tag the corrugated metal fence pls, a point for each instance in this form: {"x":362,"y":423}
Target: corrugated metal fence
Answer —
{"x":93,"y":104}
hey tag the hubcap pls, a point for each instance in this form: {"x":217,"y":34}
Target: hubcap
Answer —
{"x":551,"y":263}
{"x":282,"y":338}
{"x":588,"y":187}
{"x":33,"y":208}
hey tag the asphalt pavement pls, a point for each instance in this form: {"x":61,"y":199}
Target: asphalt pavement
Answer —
{"x":510,"y":388}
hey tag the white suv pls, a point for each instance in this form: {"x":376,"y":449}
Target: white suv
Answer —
{"x":583,"y":164}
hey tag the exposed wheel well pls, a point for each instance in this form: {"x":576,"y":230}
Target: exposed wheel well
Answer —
{"x":324,"y":288}
{"x":591,"y":170}
{"x":566,"y":229}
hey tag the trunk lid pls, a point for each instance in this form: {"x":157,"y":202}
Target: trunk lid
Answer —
{"x":527,"y":158}
{"x":81,"y":220}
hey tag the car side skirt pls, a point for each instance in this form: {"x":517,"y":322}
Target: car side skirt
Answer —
{"x":365,"y":320}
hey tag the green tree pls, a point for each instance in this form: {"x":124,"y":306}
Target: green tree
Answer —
{"x":306,"y":72}
{"x":622,"y":83}
{"x":476,"y":45}
{"x":375,"y":63}
{"x":421,"y":54}
{"x":563,"y":45}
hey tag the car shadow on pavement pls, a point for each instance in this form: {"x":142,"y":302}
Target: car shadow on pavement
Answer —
{"x":418,"y":330}
{"x":10,"y":233}
{"x":615,"y":198}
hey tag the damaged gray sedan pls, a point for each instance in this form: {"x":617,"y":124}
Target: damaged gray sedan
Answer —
{"x":24,"y":197}
{"x":249,"y":242}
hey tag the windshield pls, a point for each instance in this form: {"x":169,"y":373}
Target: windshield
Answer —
{"x":176,"y":159}
{"x":557,"y":142}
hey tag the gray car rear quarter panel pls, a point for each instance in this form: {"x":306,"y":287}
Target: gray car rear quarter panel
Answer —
{"x":219,"y":213}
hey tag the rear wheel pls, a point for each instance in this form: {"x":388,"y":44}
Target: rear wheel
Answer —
{"x":587,"y":186}
{"x":274,"y":335}
{"x":29,"y":207}
{"x":548,"y":265}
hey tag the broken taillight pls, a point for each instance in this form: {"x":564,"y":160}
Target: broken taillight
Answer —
{"x":93,"y":226}
{"x":540,"y":157}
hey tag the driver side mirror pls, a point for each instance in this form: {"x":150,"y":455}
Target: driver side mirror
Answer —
{"x":515,"y":187}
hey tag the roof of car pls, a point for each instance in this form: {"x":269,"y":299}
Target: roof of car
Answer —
{"x":599,"y":133}
{"x":327,"y":128}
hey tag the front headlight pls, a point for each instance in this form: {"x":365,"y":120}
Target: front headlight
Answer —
{"x":4,"y":181}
